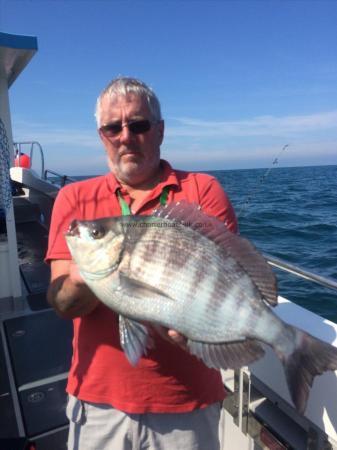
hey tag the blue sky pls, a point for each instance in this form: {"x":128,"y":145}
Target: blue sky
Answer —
{"x":237,"y":80}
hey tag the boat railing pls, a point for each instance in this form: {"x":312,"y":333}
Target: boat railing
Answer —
{"x":306,"y":274}
{"x":57,"y":178}
{"x":32,"y":145}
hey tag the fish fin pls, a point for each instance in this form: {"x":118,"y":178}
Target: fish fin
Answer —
{"x":244,"y":253}
{"x":134,"y":339}
{"x":230,"y":355}
{"x":311,"y":357}
{"x":249,"y":258}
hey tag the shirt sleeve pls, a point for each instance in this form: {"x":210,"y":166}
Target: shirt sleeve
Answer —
{"x":64,"y":211}
{"x":215,"y":202}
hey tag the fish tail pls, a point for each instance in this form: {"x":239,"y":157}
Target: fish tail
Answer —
{"x":311,"y":357}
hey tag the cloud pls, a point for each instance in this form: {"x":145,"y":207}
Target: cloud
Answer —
{"x":256,"y":126}
{"x":193,"y":143}
{"x":48,"y":134}
{"x":244,"y":156}
{"x":261,"y":126}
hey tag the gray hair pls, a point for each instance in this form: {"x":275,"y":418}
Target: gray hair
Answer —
{"x":122,"y":86}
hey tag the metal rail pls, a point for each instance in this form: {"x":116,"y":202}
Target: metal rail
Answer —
{"x":17,"y":146}
{"x":44,"y":173}
{"x":63,"y":178}
{"x":306,"y":274}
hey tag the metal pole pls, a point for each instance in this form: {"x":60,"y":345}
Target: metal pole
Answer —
{"x":306,"y":274}
{"x":13,"y":261}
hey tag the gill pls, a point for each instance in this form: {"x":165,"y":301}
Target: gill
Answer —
{"x":97,"y":257}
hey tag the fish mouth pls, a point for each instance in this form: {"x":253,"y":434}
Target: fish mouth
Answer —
{"x":73,"y":229}
{"x":98,"y":275}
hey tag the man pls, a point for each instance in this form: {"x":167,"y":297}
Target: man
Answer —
{"x":170,"y":399}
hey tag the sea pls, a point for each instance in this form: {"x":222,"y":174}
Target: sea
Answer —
{"x":291,"y":213}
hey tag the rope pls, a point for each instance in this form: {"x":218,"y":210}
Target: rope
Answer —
{"x":5,"y":182}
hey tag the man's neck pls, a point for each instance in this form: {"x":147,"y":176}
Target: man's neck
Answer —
{"x":140,"y":189}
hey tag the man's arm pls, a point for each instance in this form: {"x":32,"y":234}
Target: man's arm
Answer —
{"x":71,"y":297}
{"x":67,"y":292}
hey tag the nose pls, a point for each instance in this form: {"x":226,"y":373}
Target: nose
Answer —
{"x":125,"y":134}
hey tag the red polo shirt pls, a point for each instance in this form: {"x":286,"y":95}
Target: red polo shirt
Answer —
{"x":168,"y":379}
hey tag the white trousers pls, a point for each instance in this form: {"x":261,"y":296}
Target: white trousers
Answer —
{"x":102,"y":427}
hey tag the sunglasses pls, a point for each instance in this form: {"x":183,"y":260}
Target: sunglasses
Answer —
{"x":135,"y":126}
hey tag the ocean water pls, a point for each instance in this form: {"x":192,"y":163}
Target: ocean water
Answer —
{"x":291,"y":213}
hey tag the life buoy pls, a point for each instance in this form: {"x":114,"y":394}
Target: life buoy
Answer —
{"x":22,"y":161}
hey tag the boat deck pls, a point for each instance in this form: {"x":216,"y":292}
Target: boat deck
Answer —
{"x":35,"y":346}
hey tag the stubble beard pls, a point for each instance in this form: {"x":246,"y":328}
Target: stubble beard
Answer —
{"x":133,"y":173}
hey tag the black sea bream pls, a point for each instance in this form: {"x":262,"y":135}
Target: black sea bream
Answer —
{"x":185,"y":271}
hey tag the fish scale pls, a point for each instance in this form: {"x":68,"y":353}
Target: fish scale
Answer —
{"x":202,"y":314}
{"x":157,"y":251}
{"x":208,"y":284}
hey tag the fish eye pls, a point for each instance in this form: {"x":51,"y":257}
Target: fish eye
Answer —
{"x":97,"y":232}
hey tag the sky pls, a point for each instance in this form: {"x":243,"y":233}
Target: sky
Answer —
{"x":237,"y":80}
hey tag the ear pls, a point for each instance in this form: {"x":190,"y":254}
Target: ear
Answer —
{"x":161,"y":128}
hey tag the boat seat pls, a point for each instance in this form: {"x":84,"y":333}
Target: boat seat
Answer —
{"x":32,"y":239}
{"x":38,"y":302}
{"x":25,"y":211}
{"x":36,"y":276}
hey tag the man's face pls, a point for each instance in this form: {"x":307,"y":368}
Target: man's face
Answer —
{"x":133,"y":158}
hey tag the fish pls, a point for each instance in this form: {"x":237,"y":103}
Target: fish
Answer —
{"x":181,"y":269}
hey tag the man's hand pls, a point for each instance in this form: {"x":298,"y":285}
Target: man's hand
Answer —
{"x":74,"y":274}
{"x":177,"y":338}
{"x":170,"y":335}
{"x":68,"y":293}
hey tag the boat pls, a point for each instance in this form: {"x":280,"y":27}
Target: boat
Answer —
{"x":35,"y":345}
